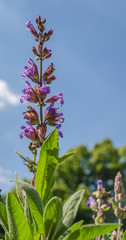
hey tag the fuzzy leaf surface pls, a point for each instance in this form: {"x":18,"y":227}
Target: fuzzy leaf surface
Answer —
{"x":71,"y":206}
{"x":36,"y":205}
{"x":19,"y":192}
{"x":91,"y":231}
{"x":18,"y":226}
{"x":3,"y":217}
{"x":52,"y":216}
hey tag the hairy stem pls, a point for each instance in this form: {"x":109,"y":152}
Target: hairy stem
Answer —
{"x":119,"y":222}
{"x":40,"y":80}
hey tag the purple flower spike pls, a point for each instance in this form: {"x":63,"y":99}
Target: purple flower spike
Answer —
{"x":99,"y":185}
{"x":56,"y":98}
{"x":30,"y":27}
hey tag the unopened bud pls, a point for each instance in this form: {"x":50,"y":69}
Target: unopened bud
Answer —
{"x":47,"y":35}
{"x":34,"y":50}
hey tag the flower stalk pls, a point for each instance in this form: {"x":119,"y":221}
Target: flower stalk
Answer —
{"x":37,"y":94}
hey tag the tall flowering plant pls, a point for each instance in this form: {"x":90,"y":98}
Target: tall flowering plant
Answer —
{"x":37,"y":124}
{"x":34,"y":213}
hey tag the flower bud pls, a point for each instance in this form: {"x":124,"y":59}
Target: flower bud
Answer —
{"x":46,"y":53}
{"x":40,"y":23}
{"x":34,"y":50}
{"x":47,"y":35}
{"x":118,"y":211}
{"x":48,"y":71}
{"x":119,"y":189}
{"x":31,"y":115}
{"x":105,"y":207}
{"x":50,"y":79}
{"x":99,"y":185}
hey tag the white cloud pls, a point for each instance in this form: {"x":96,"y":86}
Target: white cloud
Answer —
{"x":4,"y":176}
{"x":7,"y":96}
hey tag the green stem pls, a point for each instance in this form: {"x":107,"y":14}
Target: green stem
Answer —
{"x":34,"y":157}
{"x":119,"y":222}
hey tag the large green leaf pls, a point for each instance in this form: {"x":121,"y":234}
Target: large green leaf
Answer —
{"x":46,"y":166}
{"x":52,"y":217}
{"x":35,"y":204}
{"x":3,"y":217}
{"x":64,"y":157}
{"x":18,"y":226}
{"x":70,"y":209}
{"x":71,"y":206}
{"x":91,"y":231}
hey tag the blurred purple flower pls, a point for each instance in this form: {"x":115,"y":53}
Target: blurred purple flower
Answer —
{"x":99,"y":185}
{"x":89,"y":201}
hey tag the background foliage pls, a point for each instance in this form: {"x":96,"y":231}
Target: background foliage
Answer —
{"x":85,"y":167}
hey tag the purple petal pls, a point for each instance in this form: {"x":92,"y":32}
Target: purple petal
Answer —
{"x":28,"y":123}
{"x":21,"y":136}
{"x":28,"y":84}
{"x":22,"y":99}
{"x":60,"y":134}
{"x":23,"y":127}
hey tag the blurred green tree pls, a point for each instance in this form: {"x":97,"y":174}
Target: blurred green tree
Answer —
{"x":85,"y":167}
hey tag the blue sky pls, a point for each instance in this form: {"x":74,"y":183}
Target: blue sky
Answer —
{"x":89,"y":54}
